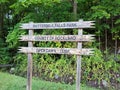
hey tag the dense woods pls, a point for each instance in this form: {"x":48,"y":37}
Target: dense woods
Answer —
{"x":104,"y":66}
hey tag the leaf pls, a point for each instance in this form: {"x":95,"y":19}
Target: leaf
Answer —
{"x":117,"y":21}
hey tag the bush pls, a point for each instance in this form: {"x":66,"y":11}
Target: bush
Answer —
{"x":96,"y":70}
{"x":4,"y":55}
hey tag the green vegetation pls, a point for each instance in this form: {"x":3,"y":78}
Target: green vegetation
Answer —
{"x":12,"y":82}
{"x":103,"y":66}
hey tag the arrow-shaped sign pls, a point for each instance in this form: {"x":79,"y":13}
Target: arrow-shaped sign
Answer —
{"x":74,"y":51}
{"x":58,"y":25}
{"x":72,"y":38}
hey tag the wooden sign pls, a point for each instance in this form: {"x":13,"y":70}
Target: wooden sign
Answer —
{"x":74,"y":51}
{"x":57,"y":38}
{"x":58,"y":25}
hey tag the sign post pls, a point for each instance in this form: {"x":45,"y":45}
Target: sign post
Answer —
{"x":29,"y":67}
{"x":79,"y":58}
{"x":79,"y":51}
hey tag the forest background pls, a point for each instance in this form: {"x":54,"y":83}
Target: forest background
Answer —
{"x":104,"y":66}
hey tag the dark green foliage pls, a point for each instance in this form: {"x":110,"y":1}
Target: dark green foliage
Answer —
{"x":96,"y":69}
{"x":4,"y":55}
{"x":12,"y":38}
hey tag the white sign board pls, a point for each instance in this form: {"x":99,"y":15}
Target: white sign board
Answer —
{"x":57,"y":38}
{"x":74,"y":51}
{"x":58,"y":25}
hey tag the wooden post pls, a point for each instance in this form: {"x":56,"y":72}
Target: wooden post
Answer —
{"x":79,"y":57}
{"x":29,"y":68}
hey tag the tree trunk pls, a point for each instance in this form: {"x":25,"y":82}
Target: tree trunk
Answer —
{"x":75,"y":9}
{"x":99,"y":36}
{"x":1,"y":20}
{"x":99,"y":42}
{"x":106,"y":44}
{"x":115,"y":48}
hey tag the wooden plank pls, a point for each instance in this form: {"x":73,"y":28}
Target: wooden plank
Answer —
{"x":29,"y":66}
{"x":74,"y":51}
{"x":57,"y":38}
{"x":58,"y":25}
{"x":79,"y":59}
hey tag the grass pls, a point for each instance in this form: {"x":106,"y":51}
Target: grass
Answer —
{"x":12,"y":82}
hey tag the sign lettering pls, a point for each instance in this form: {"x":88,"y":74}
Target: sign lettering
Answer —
{"x":58,"y":25}
{"x":57,"y":38}
{"x":56,"y":50}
